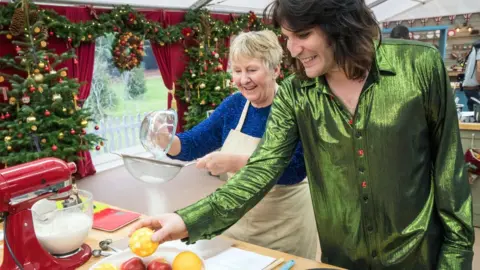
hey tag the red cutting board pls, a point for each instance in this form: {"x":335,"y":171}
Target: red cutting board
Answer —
{"x":110,"y":219}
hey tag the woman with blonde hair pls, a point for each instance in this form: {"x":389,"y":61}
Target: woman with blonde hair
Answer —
{"x":284,"y":219}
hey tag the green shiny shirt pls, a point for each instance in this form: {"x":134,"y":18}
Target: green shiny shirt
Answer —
{"x":388,"y":184}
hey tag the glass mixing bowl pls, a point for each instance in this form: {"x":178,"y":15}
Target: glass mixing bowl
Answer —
{"x":61,"y":228}
{"x":157,"y":132}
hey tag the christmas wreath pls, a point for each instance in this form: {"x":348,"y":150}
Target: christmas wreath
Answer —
{"x":128,"y":51}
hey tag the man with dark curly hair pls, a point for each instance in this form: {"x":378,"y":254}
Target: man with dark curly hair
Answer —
{"x":379,"y":128}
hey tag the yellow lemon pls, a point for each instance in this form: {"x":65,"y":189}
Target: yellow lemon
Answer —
{"x":187,"y":260}
{"x":106,"y":266}
{"x":141,"y":242}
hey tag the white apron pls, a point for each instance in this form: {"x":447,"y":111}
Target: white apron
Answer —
{"x":283,"y":220}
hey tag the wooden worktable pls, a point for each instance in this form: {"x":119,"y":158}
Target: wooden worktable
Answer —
{"x":470,"y":126}
{"x":95,"y":236}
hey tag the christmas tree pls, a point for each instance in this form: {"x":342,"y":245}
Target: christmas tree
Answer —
{"x":41,"y":118}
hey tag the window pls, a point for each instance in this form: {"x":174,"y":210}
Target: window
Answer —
{"x":119,"y":101}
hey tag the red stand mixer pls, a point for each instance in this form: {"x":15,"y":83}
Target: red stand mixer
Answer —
{"x":20,"y":187}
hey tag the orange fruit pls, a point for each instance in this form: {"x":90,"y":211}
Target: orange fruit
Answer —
{"x":141,"y":242}
{"x":187,"y":260}
{"x":106,"y":266}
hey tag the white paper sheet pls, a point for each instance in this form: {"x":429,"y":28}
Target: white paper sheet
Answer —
{"x":238,"y":259}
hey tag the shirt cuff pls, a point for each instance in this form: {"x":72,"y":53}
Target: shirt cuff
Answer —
{"x":198,"y":219}
{"x":452,"y":258}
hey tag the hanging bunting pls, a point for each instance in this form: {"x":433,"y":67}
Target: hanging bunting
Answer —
{"x":424,"y":21}
{"x":452,"y":18}
{"x":467,"y":17}
{"x":438,"y":20}
{"x":411,"y":22}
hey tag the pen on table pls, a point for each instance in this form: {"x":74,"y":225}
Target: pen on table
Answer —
{"x":276,"y":263}
{"x":288,"y":265}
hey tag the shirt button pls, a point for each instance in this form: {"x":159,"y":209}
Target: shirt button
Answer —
{"x":361,"y":170}
{"x":365,"y":198}
{"x":374,"y":253}
{"x":358,"y":134}
{"x":370,"y":228}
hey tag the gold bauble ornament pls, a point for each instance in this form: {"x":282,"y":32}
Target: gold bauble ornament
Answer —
{"x":53,"y":72}
{"x":36,"y":71}
{"x":84,"y":123}
{"x":64,"y":109}
{"x":34,"y":128}
{"x":63,"y":73}
{"x":41,"y":65}
{"x":43,"y":44}
{"x":71,"y":111}
{"x":202,"y":102}
{"x":78,"y":108}
{"x":44,"y":141}
{"x":40,"y":89}
{"x":38,"y":78}
{"x":9,"y":148}
{"x":8,"y":138}
{"x":31,"y":119}
{"x":2,"y":79}
{"x":9,"y":36}
{"x":12,"y":101}
{"x":61,"y":135}
{"x":37,"y":30}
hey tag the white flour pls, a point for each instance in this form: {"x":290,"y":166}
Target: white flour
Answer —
{"x":65,"y":233}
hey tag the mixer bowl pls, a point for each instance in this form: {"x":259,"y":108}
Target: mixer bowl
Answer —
{"x":60,"y":229}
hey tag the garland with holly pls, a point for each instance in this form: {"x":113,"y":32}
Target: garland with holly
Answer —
{"x":203,"y":84}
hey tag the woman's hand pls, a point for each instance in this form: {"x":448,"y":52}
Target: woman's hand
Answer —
{"x":218,"y":163}
{"x":167,"y":227}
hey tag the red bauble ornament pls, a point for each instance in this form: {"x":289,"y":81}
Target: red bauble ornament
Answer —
{"x":2,"y":117}
{"x":75,"y":61}
{"x":97,"y":147}
{"x":47,"y":113}
{"x":17,"y":48}
{"x":72,"y":131}
{"x":51,"y":33}
{"x":19,"y":135}
{"x":60,"y":80}
{"x":84,"y":131}
{"x":97,"y":127}
{"x":47,"y":68}
{"x":54,"y":148}
{"x":45,"y":57}
{"x":7,"y":115}
{"x":32,"y":88}
{"x":69,"y":40}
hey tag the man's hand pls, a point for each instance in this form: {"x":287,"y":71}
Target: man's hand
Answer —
{"x":167,"y":227}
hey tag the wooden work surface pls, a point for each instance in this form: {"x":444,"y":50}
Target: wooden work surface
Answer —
{"x":95,"y":236}
{"x":470,"y":126}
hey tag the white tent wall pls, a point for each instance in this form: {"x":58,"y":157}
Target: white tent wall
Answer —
{"x":437,"y":8}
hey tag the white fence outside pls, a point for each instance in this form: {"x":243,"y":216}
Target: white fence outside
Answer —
{"x":119,"y":132}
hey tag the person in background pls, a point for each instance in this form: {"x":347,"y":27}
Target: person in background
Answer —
{"x":379,"y":129}
{"x":400,"y":32}
{"x":236,"y":128}
{"x":471,"y":81}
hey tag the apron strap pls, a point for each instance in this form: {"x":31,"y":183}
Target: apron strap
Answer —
{"x":243,"y":116}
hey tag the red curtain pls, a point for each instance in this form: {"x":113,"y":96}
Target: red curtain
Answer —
{"x":170,"y":59}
